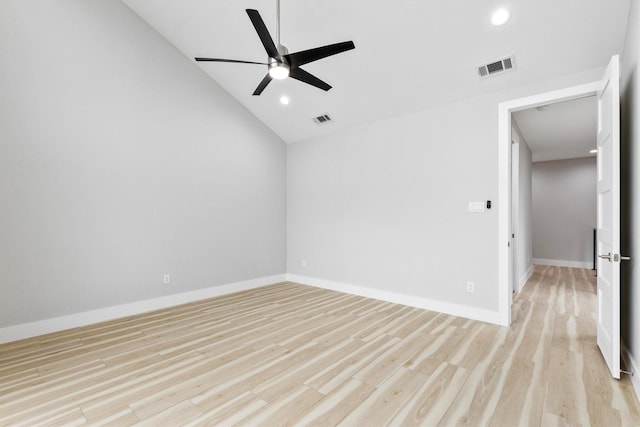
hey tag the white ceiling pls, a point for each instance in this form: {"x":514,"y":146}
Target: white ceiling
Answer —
{"x":564,"y":130}
{"x":410,"y":54}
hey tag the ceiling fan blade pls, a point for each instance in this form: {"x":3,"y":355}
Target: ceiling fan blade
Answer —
{"x":228,"y":60}
{"x":297,"y":59}
{"x":263,"y":84}
{"x":303,"y":76}
{"x":263,"y":33}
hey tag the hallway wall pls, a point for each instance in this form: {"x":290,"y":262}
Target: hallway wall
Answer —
{"x":564,"y":212}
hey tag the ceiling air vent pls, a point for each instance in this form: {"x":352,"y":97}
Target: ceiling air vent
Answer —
{"x":497,"y":67}
{"x":323,"y":119}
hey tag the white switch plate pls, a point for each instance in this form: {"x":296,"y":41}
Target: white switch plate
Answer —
{"x":476,"y":207}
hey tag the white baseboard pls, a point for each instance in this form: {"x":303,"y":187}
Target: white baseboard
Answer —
{"x":32,"y":329}
{"x":630,"y":364}
{"x":412,"y":301}
{"x":563,"y":263}
{"x":524,"y":278}
{"x":75,"y":320}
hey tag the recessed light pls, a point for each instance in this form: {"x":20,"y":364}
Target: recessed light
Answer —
{"x":594,"y":151}
{"x":284,"y":100}
{"x":500,"y":17}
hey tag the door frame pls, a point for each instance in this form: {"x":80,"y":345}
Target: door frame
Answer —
{"x":515,"y":208}
{"x":505,"y":208}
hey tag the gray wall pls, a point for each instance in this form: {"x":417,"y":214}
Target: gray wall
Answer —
{"x":120,"y":161}
{"x":384,"y":205}
{"x":630,"y":192}
{"x":564,"y":210}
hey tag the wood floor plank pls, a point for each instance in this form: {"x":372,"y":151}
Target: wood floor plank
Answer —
{"x":212,"y":375}
{"x":170,"y":393}
{"x":334,"y":407}
{"x":600,"y":388}
{"x":383,"y":367}
{"x":287,"y":410}
{"x":568,"y":403}
{"x":430,"y":402}
{"x":124,"y":418}
{"x":470,"y":352}
{"x":296,"y":376}
{"x":231,"y":412}
{"x":332,"y":376}
{"x":290,"y":354}
{"x":514,"y":395}
{"x":258,"y":373}
{"x":387,"y":400}
{"x":471,"y":405}
{"x":177,"y":415}
{"x":101,"y":387}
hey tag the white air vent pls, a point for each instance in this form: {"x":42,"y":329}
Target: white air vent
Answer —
{"x":323,"y":119}
{"x":496,"y":67}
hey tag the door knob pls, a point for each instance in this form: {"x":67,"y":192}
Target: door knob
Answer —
{"x":616,"y":257}
{"x":607,"y":257}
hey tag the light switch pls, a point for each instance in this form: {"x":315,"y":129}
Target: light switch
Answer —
{"x":476,"y":207}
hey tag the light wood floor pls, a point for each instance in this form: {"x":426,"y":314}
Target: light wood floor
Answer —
{"x":294,"y":355}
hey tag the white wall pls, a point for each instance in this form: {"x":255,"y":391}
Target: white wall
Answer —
{"x":384,"y":205}
{"x":630,"y":195}
{"x":121,"y":161}
{"x":564,"y":211}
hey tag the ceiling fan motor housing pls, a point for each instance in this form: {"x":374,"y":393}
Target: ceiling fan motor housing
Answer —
{"x":282,"y":50}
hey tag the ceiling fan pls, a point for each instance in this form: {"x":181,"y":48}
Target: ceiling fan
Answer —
{"x":281,"y":63}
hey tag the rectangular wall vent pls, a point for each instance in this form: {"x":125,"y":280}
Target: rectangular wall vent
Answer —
{"x":323,"y":119}
{"x":497,"y":66}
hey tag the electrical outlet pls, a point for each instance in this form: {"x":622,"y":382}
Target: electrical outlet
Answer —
{"x":471,"y":287}
{"x":166,"y":279}
{"x":304,"y":263}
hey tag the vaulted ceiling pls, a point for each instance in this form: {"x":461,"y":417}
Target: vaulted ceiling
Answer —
{"x":410,"y":54}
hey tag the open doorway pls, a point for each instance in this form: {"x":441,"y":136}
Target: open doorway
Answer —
{"x":505,"y":248}
{"x":554,"y":177}
{"x":607,"y":91}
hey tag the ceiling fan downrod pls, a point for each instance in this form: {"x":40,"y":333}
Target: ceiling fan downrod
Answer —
{"x":278,"y":21}
{"x":281,"y":49}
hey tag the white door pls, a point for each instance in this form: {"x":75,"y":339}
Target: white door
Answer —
{"x":608,"y":237}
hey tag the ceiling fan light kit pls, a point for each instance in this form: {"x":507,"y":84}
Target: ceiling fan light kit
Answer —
{"x":278,"y":70}
{"x":282,"y":64}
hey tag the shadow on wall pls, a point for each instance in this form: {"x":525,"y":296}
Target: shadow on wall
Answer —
{"x":627,"y":115}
